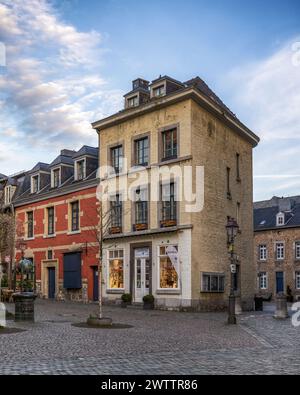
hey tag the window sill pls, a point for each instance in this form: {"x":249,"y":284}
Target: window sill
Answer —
{"x":29,"y":238}
{"x":49,"y":236}
{"x":75,"y":232}
{"x":115,"y":291}
{"x":212,"y":292}
{"x":168,"y":291}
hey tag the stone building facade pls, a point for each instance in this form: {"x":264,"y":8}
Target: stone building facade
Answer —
{"x":159,"y":246}
{"x":277,"y":246}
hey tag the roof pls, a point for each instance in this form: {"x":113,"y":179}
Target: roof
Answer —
{"x":40,"y":167}
{"x":62,"y":160}
{"x":205,"y":97}
{"x":2,"y":176}
{"x":86,"y":150}
{"x":198,"y":83}
{"x":265,"y":213}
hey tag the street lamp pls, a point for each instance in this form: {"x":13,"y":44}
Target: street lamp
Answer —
{"x":232,"y":231}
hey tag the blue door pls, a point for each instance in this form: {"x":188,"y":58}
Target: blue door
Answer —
{"x":51,"y":282}
{"x":96,"y":283}
{"x":279,"y":282}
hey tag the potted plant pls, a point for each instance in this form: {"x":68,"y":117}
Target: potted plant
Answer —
{"x":148,"y":302}
{"x":126,"y":300}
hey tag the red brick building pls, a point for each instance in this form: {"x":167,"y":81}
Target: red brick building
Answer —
{"x":57,"y":207}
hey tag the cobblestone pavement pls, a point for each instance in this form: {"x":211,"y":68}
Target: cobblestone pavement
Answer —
{"x":158,"y":343}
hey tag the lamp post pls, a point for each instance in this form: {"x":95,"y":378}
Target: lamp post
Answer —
{"x":232,"y":230}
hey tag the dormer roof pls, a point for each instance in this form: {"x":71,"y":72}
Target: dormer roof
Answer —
{"x":40,"y":167}
{"x":86,"y":151}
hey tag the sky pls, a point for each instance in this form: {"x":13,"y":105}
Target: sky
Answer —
{"x":67,"y":63}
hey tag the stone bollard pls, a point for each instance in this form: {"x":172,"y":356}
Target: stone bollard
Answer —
{"x":2,"y":315}
{"x":281,"y":312}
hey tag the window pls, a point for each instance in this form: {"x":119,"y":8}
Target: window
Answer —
{"x":116,"y":213}
{"x":35,"y":184}
{"x":80,"y":170}
{"x":169,"y":139}
{"x":262,"y":249}
{"x":50,"y":255}
{"x":279,"y":251}
{"x":116,"y":269}
{"x":213,"y":282}
{"x":141,"y":212}
{"x":142,"y":152}
{"x":280,"y":219}
{"x":297,"y":250}
{"x":50,"y":213}
{"x":263,"y":280}
{"x":297,"y":277}
{"x":132,"y":102}
{"x":159,"y":91}
{"x":56,"y":179}
{"x":8,"y":194}
{"x":238,"y":167}
{"x":30,"y":227}
{"x":168,"y":267}
{"x":75,"y":216}
{"x":169,"y":205}
{"x":228,"y":182}
{"x":117,"y":158}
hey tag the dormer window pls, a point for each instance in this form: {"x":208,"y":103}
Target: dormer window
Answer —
{"x":8,"y":194}
{"x":132,"y":101}
{"x":280,"y":219}
{"x":56,"y":178}
{"x":80,"y":170}
{"x":35,"y":184}
{"x":159,"y":91}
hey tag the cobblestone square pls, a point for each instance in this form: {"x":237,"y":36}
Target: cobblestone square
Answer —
{"x":159,"y":342}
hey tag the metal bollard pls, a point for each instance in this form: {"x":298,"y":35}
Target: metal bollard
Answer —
{"x":281,"y":312}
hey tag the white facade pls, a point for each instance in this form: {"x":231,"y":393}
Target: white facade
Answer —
{"x":142,"y":270}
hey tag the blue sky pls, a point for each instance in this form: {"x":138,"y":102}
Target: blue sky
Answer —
{"x":69,"y":63}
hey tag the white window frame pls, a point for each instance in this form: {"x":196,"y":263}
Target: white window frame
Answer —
{"x":8,"y":193}
{"x":108,"y":269}
{"x":297,"y":250}
{"x":263,"y":281}
{"x":39,"y":183}
{"x":161,"y":89}
{"x":280,"y":219}
{"x":52,"y":177}
{"x":76,"y":169}
{"x":297,"y":280}
{"x":282,"y":256}
{"x":133,"y":101}
{"x":263,"y":252}
{"x":158,"y":271}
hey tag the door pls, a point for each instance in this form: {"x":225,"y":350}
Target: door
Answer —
{"x":51,"y":282}
{"x":95,"y":284}
{"x":279,"y":282}
{"x":142,"y":273}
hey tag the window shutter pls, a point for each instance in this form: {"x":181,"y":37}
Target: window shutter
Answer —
{"x":72,"y":271}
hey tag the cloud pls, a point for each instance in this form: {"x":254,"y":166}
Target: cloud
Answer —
{"x":51,"y":89}
{"x":268,"y":101}
{"x":270,"y":91}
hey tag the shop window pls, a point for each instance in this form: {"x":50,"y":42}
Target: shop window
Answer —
{"x":116,"y":269}
{"x":169,"y":267}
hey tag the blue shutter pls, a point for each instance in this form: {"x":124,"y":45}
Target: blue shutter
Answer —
{"x":72,"y":271}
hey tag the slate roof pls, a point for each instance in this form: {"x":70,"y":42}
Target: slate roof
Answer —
{"x":23,"y":193}
{"x":265,"y":213}
{"x":86,"y":150}
{"x":40,"y":167}
{"x":2,"y":176}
